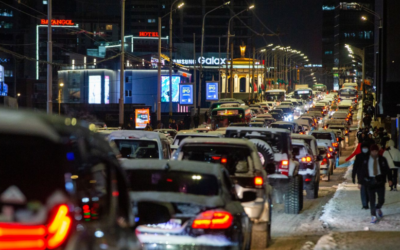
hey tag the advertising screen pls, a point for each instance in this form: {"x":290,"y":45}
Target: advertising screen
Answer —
{"x":186,"y":94}
{"x":142,"y":118}
{"x":165,"y":88}
{"x":211,"y":91}
{"x":95,"y":89}
{"x":106,"y":89}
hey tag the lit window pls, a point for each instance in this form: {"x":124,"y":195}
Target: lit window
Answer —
{"x":109,"y":27}
{"x":45,"y":2}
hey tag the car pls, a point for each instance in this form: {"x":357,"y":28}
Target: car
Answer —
{"x":58,"y":195}
{"x":308,"y":167}
{"x":264,"y":116}
{"x":277,"y":114}
{"x":293,"y":127}
{"x":263,"y":120}
{"x":264,"y":106}
{"x":327,"y":137}
{"x":312,"y":121}
{"x":182,"y":135}
{"x":239,"y":124}
{"x":258,"y":124}
{"x":241,"y":159}
{"x":274,"y":148}
{"x":206,"y":211}
{"x":134,"y":144}
{"x":168,"y":132}
{"x":288,"y":112}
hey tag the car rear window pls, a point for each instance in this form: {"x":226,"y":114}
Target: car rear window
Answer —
{"x":322,"y":136}
{"x":283,"y":126}
{"x":173,"y":181}
{"x":141,"y":149}
{"x":236,"y":159}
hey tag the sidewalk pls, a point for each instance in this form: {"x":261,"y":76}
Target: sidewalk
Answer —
{"x":343,"y":212}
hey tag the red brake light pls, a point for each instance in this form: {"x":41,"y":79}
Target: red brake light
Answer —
{"x":337,"y":139}
{"x":308,"y":159}
{"x":285,"y":164}
{"x":307,"y":179}
{"x":216,"y":158}
{"x":224,"y":160}
{"x":213,"y":220}
{"x":335,"y":144}
{"x":329,"y":155}
{"x":16,"y":236}
{"x":324,"y":161}
{"x":330,"y":149}
{"x":258,"y":181}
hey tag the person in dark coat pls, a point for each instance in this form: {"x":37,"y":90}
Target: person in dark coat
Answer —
{"x":367,"y":120}
{"x":373,"y":171}
{"x":358,"y":164}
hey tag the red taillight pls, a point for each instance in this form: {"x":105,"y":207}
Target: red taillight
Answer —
{"x":216,"y":158}
{"x":285,"y":164}
{"x":337,"y":139}
{"x":330,"y":149}
{"x":307,"y":179}
{"x":335,"y":144}
{"x":16,"y":236}
{"x":213,"y":220}
{"x":224,"y":160}
{"x":258,"y":181}
{"x":328,"y":155}
{"x":306,"y":159}
{"x":324,"y":161}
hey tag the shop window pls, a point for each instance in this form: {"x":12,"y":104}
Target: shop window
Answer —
{"x":128,"y":93}
{"x":109,"y":27}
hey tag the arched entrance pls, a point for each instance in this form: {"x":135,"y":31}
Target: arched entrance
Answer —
{"x":243,"y":84}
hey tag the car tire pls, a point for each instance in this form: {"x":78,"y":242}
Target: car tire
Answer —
{"x":294,"y":196}
{"x":312,"y":193}
{"x":258,"y":241}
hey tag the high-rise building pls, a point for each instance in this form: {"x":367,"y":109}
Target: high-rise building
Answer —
{"x":343,"y":24}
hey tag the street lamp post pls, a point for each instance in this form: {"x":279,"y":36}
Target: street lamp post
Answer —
{"x":59,"y":98}
{"x":202,"y":44}
{"x":227,"y":49}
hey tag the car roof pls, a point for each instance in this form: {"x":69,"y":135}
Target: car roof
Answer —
{"x":137,"y":134}
{"x":299,"y":142}
{"x":322,"y":131}
{"x":299,"y":136}
{"x":165,"y":129}
{"x":285,"y":106}
{"x":252,"y":129}
{"x":209,"y":134}
{"x":167,"y":165}
{"x":283,"y":122}
{"x":227,"y":141}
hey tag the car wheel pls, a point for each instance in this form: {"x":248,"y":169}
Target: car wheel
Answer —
{"x":294,"y":196}
{"x":261,"y":240}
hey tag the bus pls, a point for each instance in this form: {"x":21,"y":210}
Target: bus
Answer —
{"x":348,"y":93}
{"x":320,"y":87}
{"x":304,"y":94}
{"x":222,"y":117}
{"x":277,"y":95}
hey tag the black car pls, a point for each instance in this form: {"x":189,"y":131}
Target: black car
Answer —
{"x":207,"y":214}
{"x":61,"y":187}
{"x":277,"y":114}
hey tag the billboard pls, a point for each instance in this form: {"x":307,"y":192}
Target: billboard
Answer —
{"x":106,"y":89}
{"x":142,"y":118}
{"x":95,"y":89}
{"x":186,"y":94}
{"x":211,"y":91}
{"x":165,"y":88}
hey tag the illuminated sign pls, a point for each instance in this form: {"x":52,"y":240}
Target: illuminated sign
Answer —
{"x":4,"y":60}
{"x":95,"y":89}
{"x":201,"y":60}
{"x":165,"y":88}
{"x":3,"y":89}
{"x":186,"y":94}
{"x":57,"y":22}
{"x":142,"y":118}
{"x":303,"y":92}
{"x":211,"y":91}
{"x":313,"y":65}
{"x":227,"y":112}
{"x":148,"y":34}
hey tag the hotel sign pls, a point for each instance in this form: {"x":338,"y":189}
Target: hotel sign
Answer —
{"x":57,"y":22}
{"x":148,"y":34}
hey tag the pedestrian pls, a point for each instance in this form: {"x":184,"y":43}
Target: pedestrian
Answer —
{"x":367,"y":120}
{"x":373,"y":173}
{"x":384,"y":139}
{"x":360,"y":158}
{"x":359,"y":132}
{"x":187,"y":121}
{"x":369,"y":140}
{"x":160,"y":125}
{"x":173,"y":125}
{"x":206,"y":117}
{"x":392,"y":156}
{"x":181,"y":125}
{"x":148,"y":127}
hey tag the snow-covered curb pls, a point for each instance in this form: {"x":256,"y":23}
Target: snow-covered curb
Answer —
{"x":326,"y":242}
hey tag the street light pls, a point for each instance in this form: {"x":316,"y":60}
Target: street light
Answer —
{"x":364,"y":18}
{"x":227,"y":48}
{"x":59,"y":98}
{"x":202,"y":46}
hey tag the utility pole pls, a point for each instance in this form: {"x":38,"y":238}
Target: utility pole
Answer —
{"x":121,"y":76}
{"x":194,"y":73}
{"x":219,"y":68}
{"x":252,"y":73}
{"x":170,"y":62}
{"x":49,"y":60}
{"x":159,"y":72}
{"x":232,"y":78}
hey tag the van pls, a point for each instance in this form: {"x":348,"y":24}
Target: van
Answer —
{"x":134,"y":144}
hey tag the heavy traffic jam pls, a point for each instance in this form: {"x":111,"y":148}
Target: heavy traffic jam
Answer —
{"x":67,"y":184}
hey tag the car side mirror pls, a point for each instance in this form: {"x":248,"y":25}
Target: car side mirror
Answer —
{"x":153,"y":212}
{"x":248,"y":196}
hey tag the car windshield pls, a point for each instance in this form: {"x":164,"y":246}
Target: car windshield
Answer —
{"x":33,"y":167}
{"x":286,"y":110}
{"x":172,"y":181}
{"x":322,"y":136}
{"x":236,"y":159}
{"x":137,"y":148}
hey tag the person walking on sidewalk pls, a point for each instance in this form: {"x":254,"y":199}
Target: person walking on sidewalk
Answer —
{"x":392,"y":156}
{"x":360,"y":158}
{"x":373,"y":174}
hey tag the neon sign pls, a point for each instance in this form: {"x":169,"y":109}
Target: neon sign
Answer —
{"x":57,"y":22}
{"x":148,"y":34}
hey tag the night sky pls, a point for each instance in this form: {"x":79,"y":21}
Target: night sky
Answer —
{"x":299,"y":21}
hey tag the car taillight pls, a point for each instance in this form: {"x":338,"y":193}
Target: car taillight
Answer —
{"x":306,"y":159}
{"x":213,"y":220}
{"x":258,"y":181}
{"x":330,"y":149}
{"x":329,"y":155}
{"x":285,"y":164}
{"x":16,"y":236}
{"x":347,"y":132}
{"x":335,"y":144}
{"x":216,"y":158}
{"x":224,"y":160}
{"x":324,"y":161}
{"x":337,"y":139}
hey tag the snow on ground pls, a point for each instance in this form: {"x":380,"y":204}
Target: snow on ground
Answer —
{"x":326,"y":242}
{"x":343,"y":212}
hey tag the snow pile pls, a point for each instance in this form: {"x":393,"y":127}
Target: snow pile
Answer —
{"x":326,"y":242}
{"x":343,"y":212}
{"x":308,"y":246}
{"x":348,"y":173}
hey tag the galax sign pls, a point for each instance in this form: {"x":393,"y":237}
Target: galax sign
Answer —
{"x":202,"y":60}
{"x":57,"y":22}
